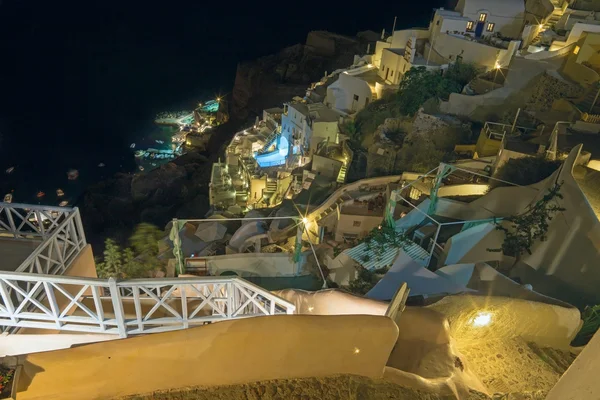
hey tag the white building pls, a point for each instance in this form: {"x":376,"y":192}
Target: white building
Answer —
{"x":309,"y":124}
{"x":486,"y":17}
{"x":477,"y":31}
{"x":355,"y":89}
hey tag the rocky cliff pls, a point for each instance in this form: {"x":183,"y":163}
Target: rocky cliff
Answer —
{"x":268,"y":81}
{"x":178,"y":189}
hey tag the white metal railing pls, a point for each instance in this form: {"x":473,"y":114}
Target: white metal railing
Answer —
{"x":131,"y":306}
{"x":54,"y":255}
{"x":26,"y":221}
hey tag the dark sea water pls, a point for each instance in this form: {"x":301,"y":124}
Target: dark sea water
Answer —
{"x":81,"y":80}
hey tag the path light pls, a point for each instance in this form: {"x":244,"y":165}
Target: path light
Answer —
{"x":497,"y":65}
{"x":356,"y":350}
{"x":481,"y":319}
{"x":310,"y":309}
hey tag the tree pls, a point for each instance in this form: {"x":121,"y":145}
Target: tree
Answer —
{"x":419,"y":154}
{"x":366,"y":280}
{"x":524,"y":171}
{"x":144,"y":242}
{"x":525,"y":229}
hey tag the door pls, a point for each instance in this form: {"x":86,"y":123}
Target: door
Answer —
{"x":387,"y":71}
{"x":480,"y":24}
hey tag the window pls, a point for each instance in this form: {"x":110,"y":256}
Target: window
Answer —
{"x":356,"y":224}
{"x":482,"y":17}
{"x":355,"y":97}
{"x":438,"y":22}
{"x":490,"y":27}
{"x":576,"y":50}
{"x":470,"y":25}
{"x":392,"y":74}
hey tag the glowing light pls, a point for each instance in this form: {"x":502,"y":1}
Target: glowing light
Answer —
{"x":356,"y":350}
{"x":497,"y":65}
{"x":310,"y":309}
{"x":481,"y":319}
{"x":540,"y":26}
{"x":218,"y":99}
{"x":305,"y":221}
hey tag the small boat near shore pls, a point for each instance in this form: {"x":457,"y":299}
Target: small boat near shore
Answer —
{"x":63,"y":203}
{"x":40,"y":194}
{"x":8,"y":198}
{"x":10,"y":170}
{"x":60,"y":193}
{"x":132,"y":146}
{"x":72,"y":174}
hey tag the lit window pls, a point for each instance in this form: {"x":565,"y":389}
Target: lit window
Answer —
{"x":490,"y":27}
{"x":576,"y":50}
{"x":356,"y":224}
{"x":482,"y":17}
{"x":470,"y":25}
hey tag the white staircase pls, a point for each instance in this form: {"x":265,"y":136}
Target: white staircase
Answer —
{"x":554,"y":18}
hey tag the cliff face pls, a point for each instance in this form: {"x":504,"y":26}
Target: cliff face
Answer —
{"x":271,"y":80}
{"x":178,"y":189}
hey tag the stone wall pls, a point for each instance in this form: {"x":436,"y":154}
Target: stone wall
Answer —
{"x":548,"y":89}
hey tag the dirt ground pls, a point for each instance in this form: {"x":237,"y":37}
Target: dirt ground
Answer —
{"x":513,"y":365}
{"x":331,"y":388}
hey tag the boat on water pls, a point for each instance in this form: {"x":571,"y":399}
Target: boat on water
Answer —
{"x":60,"y":193}
{"x":140,"y":153}
{"x":8,"y":198}
{"x":101,"y":165}
{"x":72,"y":174}
{"x":141,"y":168}
{"x":159,"y":141}
{"x":132,"y":146}
{"x":63,"y":203}
{"x":40,"y":194}
{"x":10,"y":170}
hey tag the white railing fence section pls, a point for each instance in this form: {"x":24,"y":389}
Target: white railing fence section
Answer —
{"x":26,"y":221}
{"x":151,"y":305}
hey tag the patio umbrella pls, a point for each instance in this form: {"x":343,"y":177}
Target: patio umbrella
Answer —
{"x":210,"y":231}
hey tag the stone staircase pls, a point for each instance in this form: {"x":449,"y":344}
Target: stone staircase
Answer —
{"x":342,"y":175}
{"x":269,"y":142}
{"x":589,"y":104}
{"x":554,"y":18}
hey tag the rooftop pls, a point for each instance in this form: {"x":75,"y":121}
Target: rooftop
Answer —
{"x":371,"y":76}
{"x":317,"y":112}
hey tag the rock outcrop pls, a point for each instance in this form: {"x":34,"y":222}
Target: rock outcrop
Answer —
{"x":178,"y":189}
{"x":271,"y":80}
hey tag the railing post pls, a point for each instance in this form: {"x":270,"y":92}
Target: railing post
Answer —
{"x":11,"y":221}
{"x":80,"y":227}
{"x":230,"y":299}
{"x":115,"y":296}
{"x":8,"y":304}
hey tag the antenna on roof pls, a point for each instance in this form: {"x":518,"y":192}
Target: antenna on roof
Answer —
{"x":394,"y":26}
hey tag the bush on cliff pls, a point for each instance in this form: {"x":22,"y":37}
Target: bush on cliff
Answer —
{"x":417,"y":86}
{"x":524,"y":171}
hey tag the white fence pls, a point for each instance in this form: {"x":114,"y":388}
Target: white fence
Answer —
{"x":129,"y":307}
{"x":58,"y":229}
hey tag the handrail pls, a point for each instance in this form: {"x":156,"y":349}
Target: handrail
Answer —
{"x":160,"y":304}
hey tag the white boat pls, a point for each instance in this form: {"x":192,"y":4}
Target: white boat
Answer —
{"x":8,"y":198}
{"x":72,"y":174}
{"x":154,"y":164}
{"x":140,"y":153}
{"x":132,"y":146}
{"x":63,"y":203}
{"x":10,"y":170}
{"x":60,"y":193}
{"x":101,"y":165}
{"x":141,"y":168}
{"x":159,"y":141}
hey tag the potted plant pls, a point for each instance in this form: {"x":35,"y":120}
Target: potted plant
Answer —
{"x":9,"y":375}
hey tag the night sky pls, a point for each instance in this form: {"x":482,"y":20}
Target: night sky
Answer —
{"x":81,"y":80}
